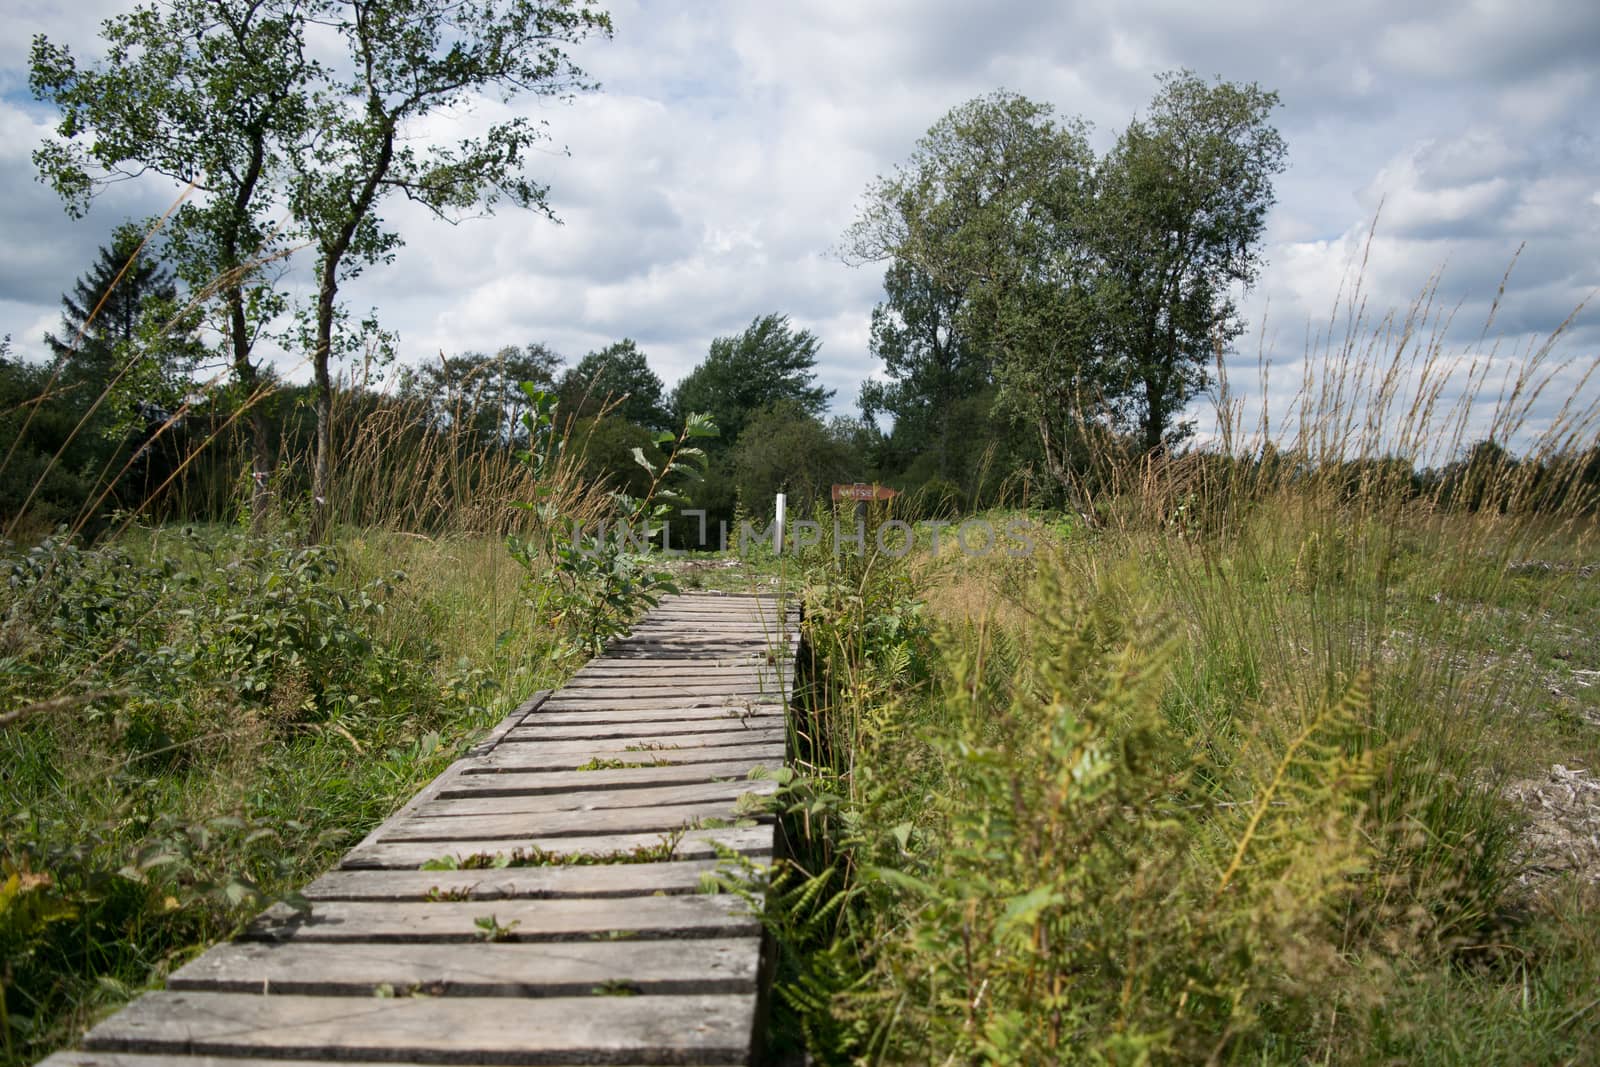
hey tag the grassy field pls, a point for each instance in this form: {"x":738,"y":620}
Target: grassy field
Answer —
{"x":1258,"y":789}
{"x":1279,"y":790}
{"x":209,"y":720}
{"x":1270,"y":757}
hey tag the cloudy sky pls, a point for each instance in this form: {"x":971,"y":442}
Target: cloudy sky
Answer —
{"x":709,"y":180}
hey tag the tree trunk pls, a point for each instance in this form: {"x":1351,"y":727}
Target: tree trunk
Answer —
{"x":333,"y":254}
{"x":323,"y":404}
{"x":1155,"y":418}
{"x":260,"y":440}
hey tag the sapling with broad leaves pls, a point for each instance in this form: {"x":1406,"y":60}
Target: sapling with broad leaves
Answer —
{"x":593,"y":582}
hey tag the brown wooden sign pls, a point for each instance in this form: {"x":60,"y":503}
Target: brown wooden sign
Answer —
{"x":863,"y":491}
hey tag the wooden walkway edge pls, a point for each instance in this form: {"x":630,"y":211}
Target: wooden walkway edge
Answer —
{"x":560,"y":919}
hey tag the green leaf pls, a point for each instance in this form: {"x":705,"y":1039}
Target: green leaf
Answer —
{"x":1024,"y":910}
{"x":699,"y":424}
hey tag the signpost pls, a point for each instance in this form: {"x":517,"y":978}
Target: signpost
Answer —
{"x":861,"y":491}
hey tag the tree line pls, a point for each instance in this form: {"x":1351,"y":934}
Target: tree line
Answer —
{"x":126,"y":417}
{"x":1049,"y":311}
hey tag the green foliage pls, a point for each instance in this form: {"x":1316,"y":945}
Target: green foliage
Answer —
{"x":1021,"y":843}
{"x":593,"y":583}
{"x":217,"y":95}
{"x":985,"y":219}
{"x":1179,"y":214}
{"x":192,"y":729}
{"x":1093,"y":291}
{"x":87,"y":433}
{"x":785,"y":450}
{"x":619,"y":380}
{"x":409,"y":59}
{"x":534,"y":856}
{"x":113,"y":328}
{"x":604,"y":449}
{"x":226,"y":96}
{"x":491,"y":929}
{"x":1042,"y":890}
{"x":481,"y":394}
{"x":930,"y":365}
{"x":1214,"y":786}
{"x":770,"y":363}
{"x":172,"y":629}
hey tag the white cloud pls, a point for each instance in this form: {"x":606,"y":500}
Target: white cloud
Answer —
{"x":708,"y":182}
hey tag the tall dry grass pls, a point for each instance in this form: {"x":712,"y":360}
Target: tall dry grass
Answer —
{"x":1224,"y":775}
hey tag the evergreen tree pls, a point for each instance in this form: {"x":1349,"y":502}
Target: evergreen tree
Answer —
{"x":116,"y":303}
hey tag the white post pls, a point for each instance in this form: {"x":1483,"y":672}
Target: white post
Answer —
{"x":777,"y":537}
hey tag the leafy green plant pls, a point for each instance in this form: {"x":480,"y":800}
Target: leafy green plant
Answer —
{"x":491,"y":928}
{"x":594,"y":583}
{"x":603,"y":763}
{"x":196,"y":723}
{"x":534,"y":856}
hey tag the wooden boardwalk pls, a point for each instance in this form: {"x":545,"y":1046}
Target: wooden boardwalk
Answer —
{"x":611,"y":798}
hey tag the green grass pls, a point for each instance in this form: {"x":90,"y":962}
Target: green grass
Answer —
{"x":237,"y":714}
{"x":1165,"y":792}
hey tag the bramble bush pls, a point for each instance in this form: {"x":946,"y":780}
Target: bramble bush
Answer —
{"x":196,"y":722}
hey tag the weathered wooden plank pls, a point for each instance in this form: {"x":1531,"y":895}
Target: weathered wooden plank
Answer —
{"x":487,"y":779}
{"x":135,"y":1059}
{"x":757,"y":727}
{"x":637,"y":748}
{"x":749,"y":633}
{"x":709,"y":637}
{"x":598,"y":800}
{"x":707,"y":1028}
{"x":741,"y":693}
{"x":767,"y":610}
{"x":425,"y":826}
{"x":746,"y":610}
{"x":657,"y":675}
{"x":567,"y":919}
{"x":693,"y":845}
{"x":643,"y":685}
{"x":686,"y":639}
{"x":664,"y":702}
{"x":627,"y":715}
{"x":539,"y":758}
{"x":606,"y":668}
{"x":503,"y":969}
{"x":679,"y":690}
{"x":660,"y":654}
{"x":594,"y":880}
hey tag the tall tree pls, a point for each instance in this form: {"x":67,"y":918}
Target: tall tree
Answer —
{"x":770,"y":363}
{"x":1094,"y":289}
{"x":989,"y":211}
{"x":917,"y":334}
{"x":486,"y":391}
{"x":618,"y":374}
{"x":122,"y":363}
{"x":108,"y":309}
{"x":213,"y":93}
{"x":408,"y":59}
{"x":1177,"y":225}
